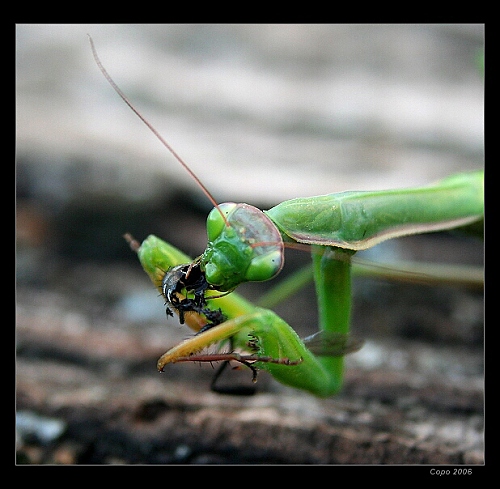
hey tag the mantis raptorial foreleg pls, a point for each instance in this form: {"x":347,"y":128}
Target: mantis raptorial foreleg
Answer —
{"x":271,"y":343}
{"x":276,"y":348}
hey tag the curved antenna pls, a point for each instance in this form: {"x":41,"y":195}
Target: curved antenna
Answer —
{"x":117,"y":89}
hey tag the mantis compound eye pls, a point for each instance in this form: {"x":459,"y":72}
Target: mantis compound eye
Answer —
{"x":248,"y":247}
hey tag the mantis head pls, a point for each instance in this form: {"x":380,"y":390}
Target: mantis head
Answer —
{"x":244,"y":247}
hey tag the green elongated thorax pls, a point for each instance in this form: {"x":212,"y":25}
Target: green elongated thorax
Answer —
{"x":359,"y":220}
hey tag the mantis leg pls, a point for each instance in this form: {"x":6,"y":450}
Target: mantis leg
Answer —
{"x":269,"y":338}
{"x":332,"y":278}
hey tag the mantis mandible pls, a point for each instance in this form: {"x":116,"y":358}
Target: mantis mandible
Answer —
{"x":246,"y":244}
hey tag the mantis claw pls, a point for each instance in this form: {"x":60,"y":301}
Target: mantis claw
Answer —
{"x":247,"y":360}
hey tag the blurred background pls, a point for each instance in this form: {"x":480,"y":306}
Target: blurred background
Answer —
{"x":261,"y":113}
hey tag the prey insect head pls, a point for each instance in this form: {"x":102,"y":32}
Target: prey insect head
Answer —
{"x":184,"y":287}
{"x":249,"y":249}
{"x":187,"y":276}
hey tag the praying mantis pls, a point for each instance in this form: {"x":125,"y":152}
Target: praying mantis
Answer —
{"x":246,"y":244}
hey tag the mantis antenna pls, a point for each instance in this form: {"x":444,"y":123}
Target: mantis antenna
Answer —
{"x":117,"y":89}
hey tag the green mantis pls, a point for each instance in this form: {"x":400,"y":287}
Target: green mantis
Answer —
{"x":246,"y":244}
